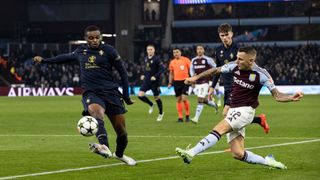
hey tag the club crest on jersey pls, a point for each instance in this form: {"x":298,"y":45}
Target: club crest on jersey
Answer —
{"x":182,"y":67}
{"x":231,"y":56}
{"x":252,"y":77}
{"x":91,"y":59}
{"x":101,"y":52}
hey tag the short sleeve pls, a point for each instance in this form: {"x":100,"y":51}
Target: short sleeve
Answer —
{"x":227,"y":68}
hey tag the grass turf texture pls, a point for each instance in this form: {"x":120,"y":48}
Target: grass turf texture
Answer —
{"x":38,"y":134}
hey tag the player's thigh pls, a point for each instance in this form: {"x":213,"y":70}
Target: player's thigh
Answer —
{"x":93,"y":104}
{"x":178,"y":87}
{"x":118,"y":123}
{"x":145,"y":86}
{"x":155,"y":88}
{"x":202,"y":90}
{"x":240,"y":117}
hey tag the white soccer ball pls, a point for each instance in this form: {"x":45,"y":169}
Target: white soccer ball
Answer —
{"x":87,"y":126}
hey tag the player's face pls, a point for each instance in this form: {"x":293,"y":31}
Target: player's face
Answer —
{"x":244,"y":61}
{"x":150,"y":50}
{"x":226,"y":37}
{"x":200,"y":50}
{"x":93,"y":39}
{"x":176,"y":53}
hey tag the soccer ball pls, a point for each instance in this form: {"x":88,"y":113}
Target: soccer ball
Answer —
{"x":87,"y":126}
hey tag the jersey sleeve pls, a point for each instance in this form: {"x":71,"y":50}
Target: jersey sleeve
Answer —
{"x":227,"y":68}
{"x":62,"y":58}
{"x":266,"y":80}
{"x":211,"y":62}
{"x":191,"y":70}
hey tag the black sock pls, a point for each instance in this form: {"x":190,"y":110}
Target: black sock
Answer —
{"x":102,"y":133}
{"x":256,"y":120}
{"x":122,"y":142}
{"x":146,"y":100}
{"x":159,"y":103}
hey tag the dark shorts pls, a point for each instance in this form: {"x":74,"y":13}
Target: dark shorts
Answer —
{"x":111,"y":102}
{"x":227,"y":97}
{"x":153,"y":85}
{"x":180,"y":88}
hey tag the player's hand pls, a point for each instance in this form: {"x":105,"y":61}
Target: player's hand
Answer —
{"x":210,"y":93}
{"x":129,"y":101}
{"x":153,"y":78}
{"x":38,"y":59}
{"x":142,"y":77}
{"x":297,"y":96}
{"x":169,"y":85}
{"x":191,"y":80}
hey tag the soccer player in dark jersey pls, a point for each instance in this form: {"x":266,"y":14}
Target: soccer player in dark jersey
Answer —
{"x":224,"y":54}
{"x":151,"y":80}
{"x":199,"y":64}
{"x":100,"y":91}
{"x":248,"y":80}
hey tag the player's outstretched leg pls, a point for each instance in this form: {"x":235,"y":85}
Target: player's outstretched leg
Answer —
{"x":262,"y":121}
{"x":146,"y":100}
{"x":100,"y":149}
{"x":271,"y":161}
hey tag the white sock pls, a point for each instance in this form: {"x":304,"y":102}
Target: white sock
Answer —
{"x":205,"y":143}
{"x":252,"y":158}
{"x":199,"y":110}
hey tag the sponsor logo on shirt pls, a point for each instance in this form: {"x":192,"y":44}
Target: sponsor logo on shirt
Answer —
{"x":242,"y":83}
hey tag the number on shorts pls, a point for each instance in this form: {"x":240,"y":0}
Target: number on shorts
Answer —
{"x":234,"y":115}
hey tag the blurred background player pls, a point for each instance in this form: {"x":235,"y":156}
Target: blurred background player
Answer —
{"x":179,"y":70}
{"x":198,"y":65}
{"x":215,"y":96}
{"x":100,"y":92}
{"x":151,"y":80}
{"x":249,"y":79}
{"x":227,"y":53}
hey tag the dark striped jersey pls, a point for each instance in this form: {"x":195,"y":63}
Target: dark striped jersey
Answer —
{"x":223,"y":56}
{"x":247,"y":84}
{"x":96,"y":67}
{"x":199,"y":65}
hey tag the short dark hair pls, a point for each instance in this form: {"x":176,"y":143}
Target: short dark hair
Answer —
{"x":248,"y":50}
{"x":91,"y":28}
{"x":224,"y":27}
{"x":151,"y":45}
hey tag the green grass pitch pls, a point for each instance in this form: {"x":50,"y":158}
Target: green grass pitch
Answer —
{"x":38,"y":135}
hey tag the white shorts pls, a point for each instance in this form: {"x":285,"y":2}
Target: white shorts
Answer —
{"x":202,"y":89}
{"x":239,"y":118}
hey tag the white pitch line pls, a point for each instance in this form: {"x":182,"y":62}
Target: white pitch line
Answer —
{"x":142,"y":136}
{"x":145,"y":161}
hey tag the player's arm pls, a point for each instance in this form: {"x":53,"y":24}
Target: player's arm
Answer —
{"x":267,"y":81}
{"x":281,"y":97}
{"x":207,"y":73}
{"x":62,"y":58}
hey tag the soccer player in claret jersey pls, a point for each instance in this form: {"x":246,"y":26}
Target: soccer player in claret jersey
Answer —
{"x":200,"y":64}
{"x":151,"y":80}
{"x":224,"y":54}
{"x":248,"y":81}
{"x":100,"y":91}
{"x":179,"y":70}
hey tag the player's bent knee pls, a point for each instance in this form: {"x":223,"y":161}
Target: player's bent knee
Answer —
{"x":141,"y":94}
{"x":238,"y":155}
